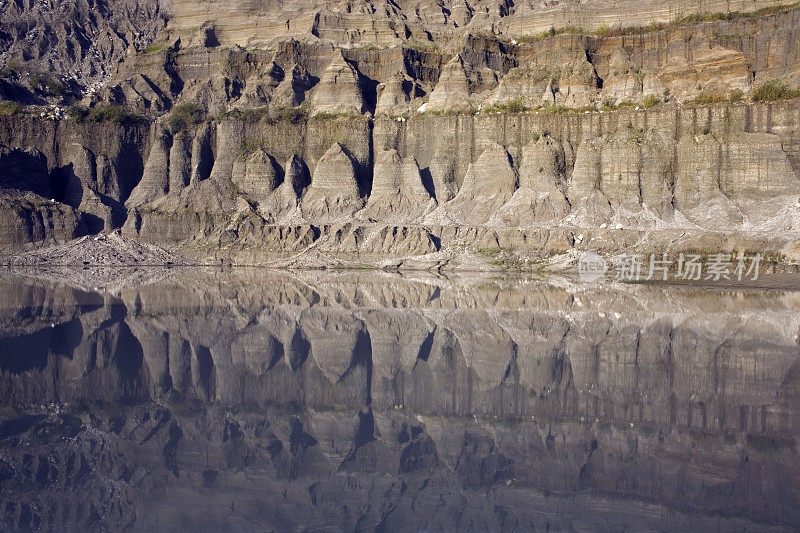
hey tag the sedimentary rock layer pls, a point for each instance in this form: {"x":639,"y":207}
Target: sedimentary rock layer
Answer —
{"x":644,"y":139}
{"x":48,"y":49}
{"x":246,"y":23}
{"x":713,"y":61}
{"x":691,"y":178}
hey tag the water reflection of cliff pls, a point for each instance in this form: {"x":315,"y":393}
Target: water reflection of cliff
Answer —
{"x":367,"y":400}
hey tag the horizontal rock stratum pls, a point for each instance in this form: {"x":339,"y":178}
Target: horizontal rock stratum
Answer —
{"x":343,"y":137}
{"x":382,"y":191}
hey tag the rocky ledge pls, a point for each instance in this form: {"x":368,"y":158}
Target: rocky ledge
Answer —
{"x":486,"y":190}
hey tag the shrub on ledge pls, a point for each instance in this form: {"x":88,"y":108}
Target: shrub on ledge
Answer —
{"x":773,"y":91}
{"x":184,"y":115}
{"x":8,"y":109}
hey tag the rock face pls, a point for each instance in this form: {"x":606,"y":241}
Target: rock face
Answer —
{"x":334,"y":190}
{"x":156,"y":178}
{"x":27,"y":218}
{"x":257,"y":175}
{"x":398,"y":193}
{"x":69,"y":46}
{"x":242,"y":23}
{"x":427,"y":139}
{"x":736,"y":179}
{"x":452,"y":88}
{"x":451,"y":58}
{"x":283,"y":203}
{"x":28,"y":211}
{"x":339,"y":90}
{"x":365,"y":189}
{"x":540,"y":198}
{"x":415,"y":402}
{"x":24,"y":170}
{"x":486,"y":64}
{"x":488,"y":184}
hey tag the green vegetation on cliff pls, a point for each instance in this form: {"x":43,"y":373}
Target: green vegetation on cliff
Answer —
{"x":773,"y":91}
{"x":9,"y":108}
{"x":104,"y":112}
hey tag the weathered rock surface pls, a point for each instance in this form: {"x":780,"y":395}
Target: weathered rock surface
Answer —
{"x":256,"y":175}
{"x":539,"y":198}
{"x":398,"y":193}
{"x":27,"y":218}
{"x":110,"y":250}
{"x":283,"y":203}
{"x":478,"y":66}
{"x":339,"y":89}
{"x":488,"y":184}
{"x":336,"y":131}
{"x":453,"y":87}
{"x":76,"y":44}
{"x":688,"y":178}
{"x":24,"y":170}
{"x":373,"y":24}
{"x":334,"y":190}
{"x":156,"y":177}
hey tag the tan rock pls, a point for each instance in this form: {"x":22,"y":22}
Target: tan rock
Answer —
{"x":443,"y":168}
{"x":291,"y":91}
{"x":339,"y":89}
{"x":202,"y":155}
{"x":758,"y":177}
{"x":697,"y":192}
{"x":230,"y":142}
{"x":284,"y":201}
{"x":620,"y":168}
{"x":589,"y":204}
{"x":28,"y":217}
{"x":373,"y":240}
{"x":180,"y":161}
{"x":257,"y":175}
{"x":526,"y":84}
{"x":334,"y":191}
{"x":155,"y":180}
{"x":577,"y":84}
{"x":452,"y":92}
{"x":657,"y":174}
{"x":489,"y":183}
{"x":394,"y":95}
{"x":539,"y":199}
{"x":398,"y":194}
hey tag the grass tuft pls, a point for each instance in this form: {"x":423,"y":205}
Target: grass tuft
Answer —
{"x":154,"y":49}
{"x":183,"y":116}
{"x":8,"y":109}
{"x":517,"y":105}
{"x":773,"y":91}
{"x":113,"y":113}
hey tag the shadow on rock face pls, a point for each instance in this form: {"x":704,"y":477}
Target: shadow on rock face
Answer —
{"x":24,"y":170}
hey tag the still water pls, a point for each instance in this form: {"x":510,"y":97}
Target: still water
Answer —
{"x":329,"y":401}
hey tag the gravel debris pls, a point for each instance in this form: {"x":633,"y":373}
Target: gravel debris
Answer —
{"x":110,"y":249}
